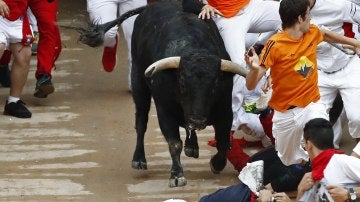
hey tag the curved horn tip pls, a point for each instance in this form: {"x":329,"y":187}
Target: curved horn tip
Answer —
{"x":149,"y":71}
{"x":229,"y":66}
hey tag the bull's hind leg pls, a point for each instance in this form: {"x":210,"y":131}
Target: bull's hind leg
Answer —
{"x":142,"y":98}
{"x":191,"y":147}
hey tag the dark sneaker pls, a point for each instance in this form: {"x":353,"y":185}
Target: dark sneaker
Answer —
{"x":5,"y":75}
{"x":17,"y":109}
{"x":44,"y":86}
{"x":34,"y":45}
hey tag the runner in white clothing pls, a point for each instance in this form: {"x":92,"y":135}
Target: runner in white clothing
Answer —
{"x":329,"y":166}
{"x":103,"y":11}
{"x":338,"y":72}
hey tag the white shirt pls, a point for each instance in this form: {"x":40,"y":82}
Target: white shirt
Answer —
{"x":342,"y":169}
{"x":332,"y":14}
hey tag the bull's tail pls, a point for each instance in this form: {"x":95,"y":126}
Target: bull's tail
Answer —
{"x":122,"y":18}
{"x":93,"y":35}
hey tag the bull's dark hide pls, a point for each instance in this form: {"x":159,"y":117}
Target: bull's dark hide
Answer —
{"x":193,"y":96}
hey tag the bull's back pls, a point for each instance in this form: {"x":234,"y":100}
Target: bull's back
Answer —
{"x":164,"y":30}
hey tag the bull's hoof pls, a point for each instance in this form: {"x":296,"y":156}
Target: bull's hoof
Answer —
{"x":217,"y":164}
{"x":213,"y":170}
{"x":191,"y":152}
{"x":139,"y":165}
{"x":177,"y":182}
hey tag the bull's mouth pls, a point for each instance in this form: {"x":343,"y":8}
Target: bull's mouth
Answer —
{"x":195,"y":124}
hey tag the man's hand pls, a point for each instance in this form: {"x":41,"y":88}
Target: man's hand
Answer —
{"x":305,"y":184}
{"x":339,"y":194}
{"x":4,"y":9}
{"x":281,"y":197}
{"x":252,"y":59}
{"x":267,"y":85}
{"x":208,"y":12}
{"x":357,"y":50}
{"x":264,"y":195}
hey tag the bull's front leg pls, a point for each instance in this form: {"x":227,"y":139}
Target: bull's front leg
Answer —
{"x":177,"y":178}
{"x":170,"y":129}
{"x":222,"y":128}
{"x":219,"y":160}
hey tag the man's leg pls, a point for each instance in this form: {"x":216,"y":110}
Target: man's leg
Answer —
{"x":4,"y":69}
{"x":49,"y":46}
{"x":101,"y":12}
{"x":287,"y":132}
{"x":128,"y":26}
{"x":350,"y":93}
{"x":19,"y":72}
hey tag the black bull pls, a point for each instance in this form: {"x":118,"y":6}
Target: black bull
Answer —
{"x":187,"y":83}
{"x":194,"y":95}
{"x":188,"y":74}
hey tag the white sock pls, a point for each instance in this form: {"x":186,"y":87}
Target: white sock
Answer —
{"x":13,"y":99}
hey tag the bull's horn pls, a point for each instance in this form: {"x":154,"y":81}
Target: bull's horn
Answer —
{"x":166,"y":63}
{"x":233,"y":67}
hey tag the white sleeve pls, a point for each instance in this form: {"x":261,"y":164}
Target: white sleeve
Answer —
{"x":357,"y":149}
{"x":351,"y":11}
{"x":351,"y":168}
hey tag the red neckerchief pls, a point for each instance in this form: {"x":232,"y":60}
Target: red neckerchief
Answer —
{"x":320,"y":162}
{"x":252,"y":197}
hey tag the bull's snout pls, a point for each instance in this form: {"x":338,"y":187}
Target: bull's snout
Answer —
{"x":196,"y":123}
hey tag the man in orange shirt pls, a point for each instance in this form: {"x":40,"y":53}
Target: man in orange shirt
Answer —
{"x":235,"y":19}
{"x":291,"y":57}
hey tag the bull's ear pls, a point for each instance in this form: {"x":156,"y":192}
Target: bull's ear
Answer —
{"x":233,"y":67}
{"x":166,"y":63}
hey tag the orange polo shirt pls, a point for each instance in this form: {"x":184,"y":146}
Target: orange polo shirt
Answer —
{"x":228,"y":7}
{"x":293,"y":68}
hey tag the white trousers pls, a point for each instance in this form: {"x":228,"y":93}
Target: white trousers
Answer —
{"x":288,"y":131}
{"x":338,"y":127}
{"x":103,"y":11}
{"x":347,"y":82}
{"x":257,"y":17}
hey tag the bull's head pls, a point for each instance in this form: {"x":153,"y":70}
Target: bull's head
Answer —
{"x":198,"y":78}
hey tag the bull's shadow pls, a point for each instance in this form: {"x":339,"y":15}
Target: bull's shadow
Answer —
{"x":188,"y":74}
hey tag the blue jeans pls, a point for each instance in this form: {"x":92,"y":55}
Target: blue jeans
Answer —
{"x":234,"y":193}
